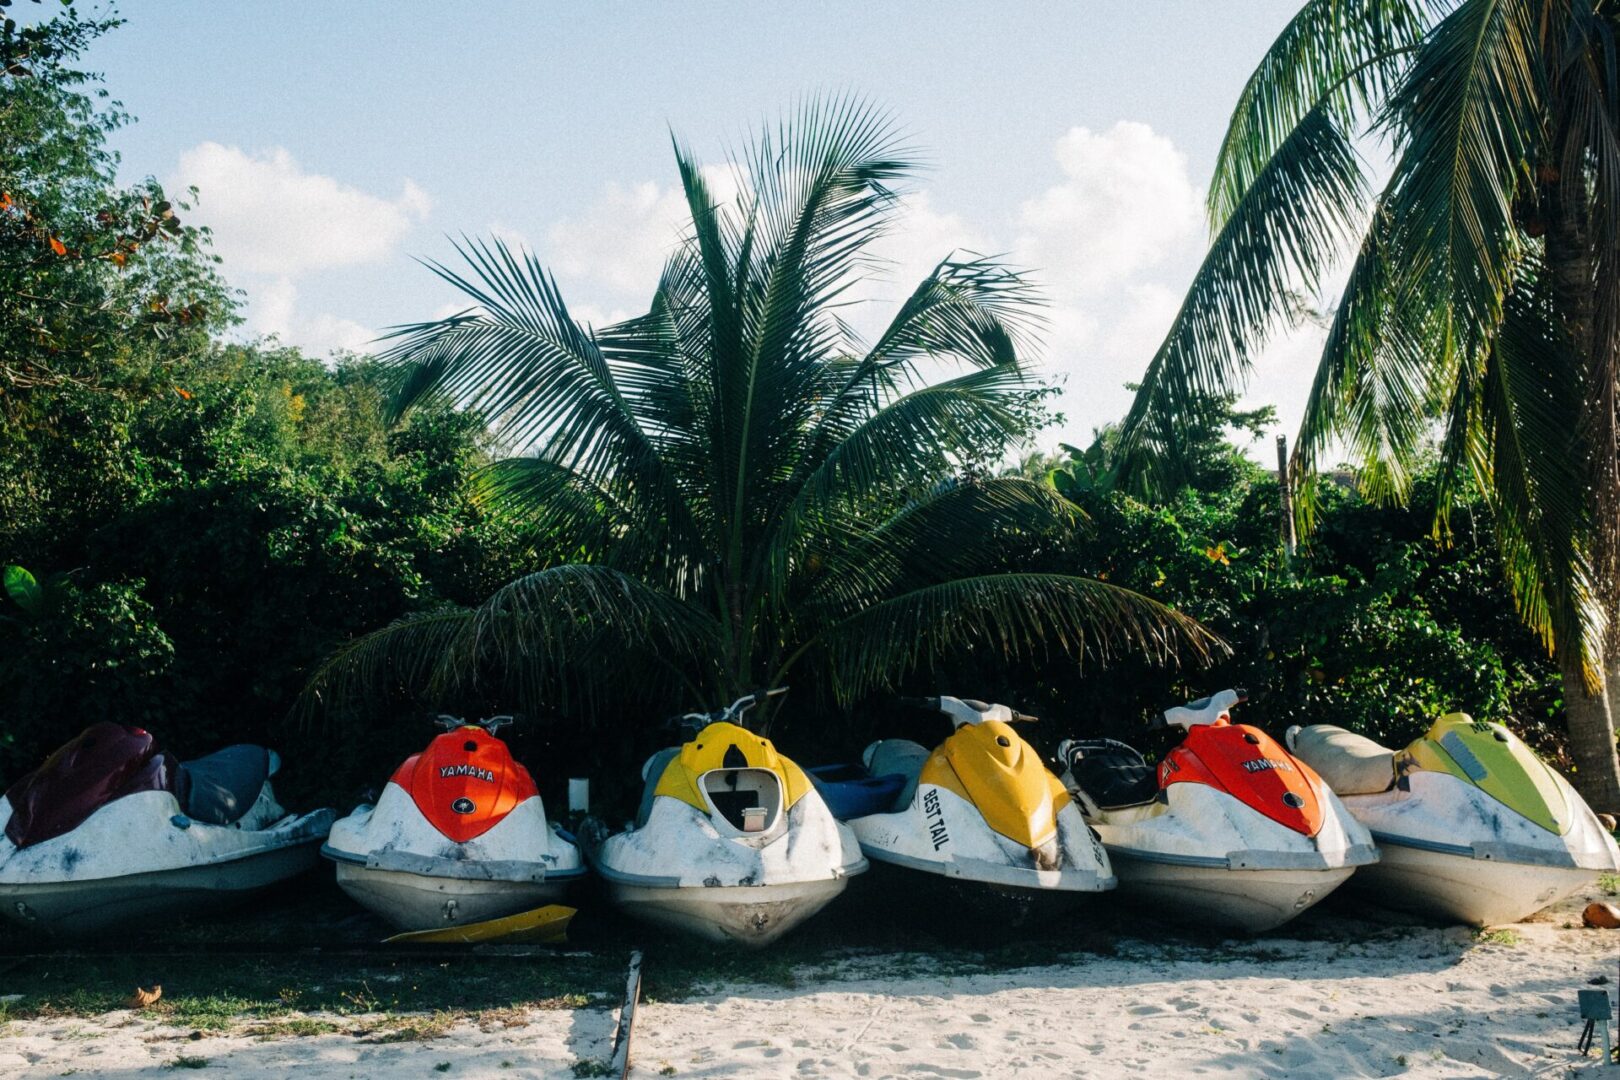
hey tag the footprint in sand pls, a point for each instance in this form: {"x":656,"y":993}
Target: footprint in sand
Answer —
{"x":1144,"y":1010}
{"x":980,"y":1018}
{"x":749,"y":1044}
{"x":940,"y":1070}
{"x":961,"y":1042}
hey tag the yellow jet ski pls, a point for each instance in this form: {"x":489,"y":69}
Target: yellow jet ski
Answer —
{"x":1470,"y":824}
{"x":981,"y":811}
{"x":732,"y":841}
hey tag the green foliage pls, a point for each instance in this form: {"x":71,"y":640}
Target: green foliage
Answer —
{"x":1379,"y":627}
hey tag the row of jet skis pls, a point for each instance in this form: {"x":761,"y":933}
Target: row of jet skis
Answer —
{"x":735,"y":842}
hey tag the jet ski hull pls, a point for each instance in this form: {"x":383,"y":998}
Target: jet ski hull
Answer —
{"x":1456,"y":887}
{"x":410,"y":901}
{"x":971,"y":899}
{"x":749,"y":915}
{"x":1252,"y":901}
{"x":79,"y":908}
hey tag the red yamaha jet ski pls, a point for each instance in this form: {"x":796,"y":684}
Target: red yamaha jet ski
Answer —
{"x":1231,"y":829}
{"x":459,"y":836}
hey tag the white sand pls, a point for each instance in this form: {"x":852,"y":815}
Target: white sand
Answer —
{"x":1399,"y":1002}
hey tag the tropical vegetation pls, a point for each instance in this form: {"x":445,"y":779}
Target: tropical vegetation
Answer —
{"x":223,"y":539}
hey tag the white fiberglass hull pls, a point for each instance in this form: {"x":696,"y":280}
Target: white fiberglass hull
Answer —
{"x":82,"y":907}
{"x":1461,"y":888}
{"x":427,"y":902}
{"x":1451,"y":851}
{"x":1252,"y":901}
{"x":750,"y":915}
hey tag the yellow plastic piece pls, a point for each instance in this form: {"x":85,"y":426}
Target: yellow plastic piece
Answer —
{"x":708,"y":752}
{"x":1496,"y":761}
{"x":542,"y":925}
{"x":1003,"y":777}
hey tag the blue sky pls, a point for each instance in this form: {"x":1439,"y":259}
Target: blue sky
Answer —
{"x":332,"y":145}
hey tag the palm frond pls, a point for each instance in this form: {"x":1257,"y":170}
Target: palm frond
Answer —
{"x":1284,"y":231}
{"x":1342,"y":55}
{"x":407,"y":655}
{"x":1006,"y":617}
{"x":1467,"y":116}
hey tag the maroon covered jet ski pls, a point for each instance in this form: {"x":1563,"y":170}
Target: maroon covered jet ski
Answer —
{"x":112,"y":829}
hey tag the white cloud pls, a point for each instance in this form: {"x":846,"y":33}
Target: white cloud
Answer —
{"x":617,"y":246}
{"x":1113,"y":242}
{"x":1124,"y":206}
{"x":273,"y":310}
{"x":273,"y":223}
{"x":269,"y":216}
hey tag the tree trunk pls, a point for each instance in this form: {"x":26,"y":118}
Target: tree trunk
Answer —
{"x":1591,"y":739}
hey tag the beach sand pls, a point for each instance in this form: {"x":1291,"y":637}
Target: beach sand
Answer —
{"x":1370,"y":1001}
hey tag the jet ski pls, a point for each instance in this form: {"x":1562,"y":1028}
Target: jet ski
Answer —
{"x":112,"y":832}
{"x":980,"y":813}
{"x":459,"y":835}
{"x":731,"y":841}
{"x":1473,"y":826}
{"x":1230,"y":830}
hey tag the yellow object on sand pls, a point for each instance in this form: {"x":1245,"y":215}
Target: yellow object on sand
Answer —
{"x":540,"y":926}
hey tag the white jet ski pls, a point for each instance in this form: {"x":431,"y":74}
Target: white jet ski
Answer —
{"x":732,"y":841}
{"x":111,"y":834}
{"x":980,"y":812}
{"x":1473,"y":826}
{"x":1230,"y":830}
{"x":458,"y":836}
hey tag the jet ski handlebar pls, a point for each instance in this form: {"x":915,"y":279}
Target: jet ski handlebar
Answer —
{"x":491,"y":724}
{"x":732,"y":713}
{"x":969,"y":710}
{"x":1206,"y":710}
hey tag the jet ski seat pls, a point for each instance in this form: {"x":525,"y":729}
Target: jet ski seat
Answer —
{"x":900,"y":757}
{"x":222,"y":787}
{"x":1112,"y":774}
{"x":1351,"y":764}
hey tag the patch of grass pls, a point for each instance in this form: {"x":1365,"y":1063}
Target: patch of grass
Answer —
{"x":185,"y":1062}
{"x":1610,"y":884}
{"x":412,"y":1027}
{"x":301,"y":1027}
{"x":443,"y":1066}
{"x":1500,"y":936}
{"x":591,"y":1067}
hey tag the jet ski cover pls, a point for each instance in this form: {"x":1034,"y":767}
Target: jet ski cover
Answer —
{"x":1112,"y":774}
{"x":105,"y":762}
{"x":1351,"y":764}
{"x":224,"y":785}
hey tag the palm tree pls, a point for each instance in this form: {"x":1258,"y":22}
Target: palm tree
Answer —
{"x":746,"y":489}
{"x":1484,"y":294}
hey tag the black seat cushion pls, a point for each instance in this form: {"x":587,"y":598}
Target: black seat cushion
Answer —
{"x":1112,"y":774}
{"x":224,"y":785}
